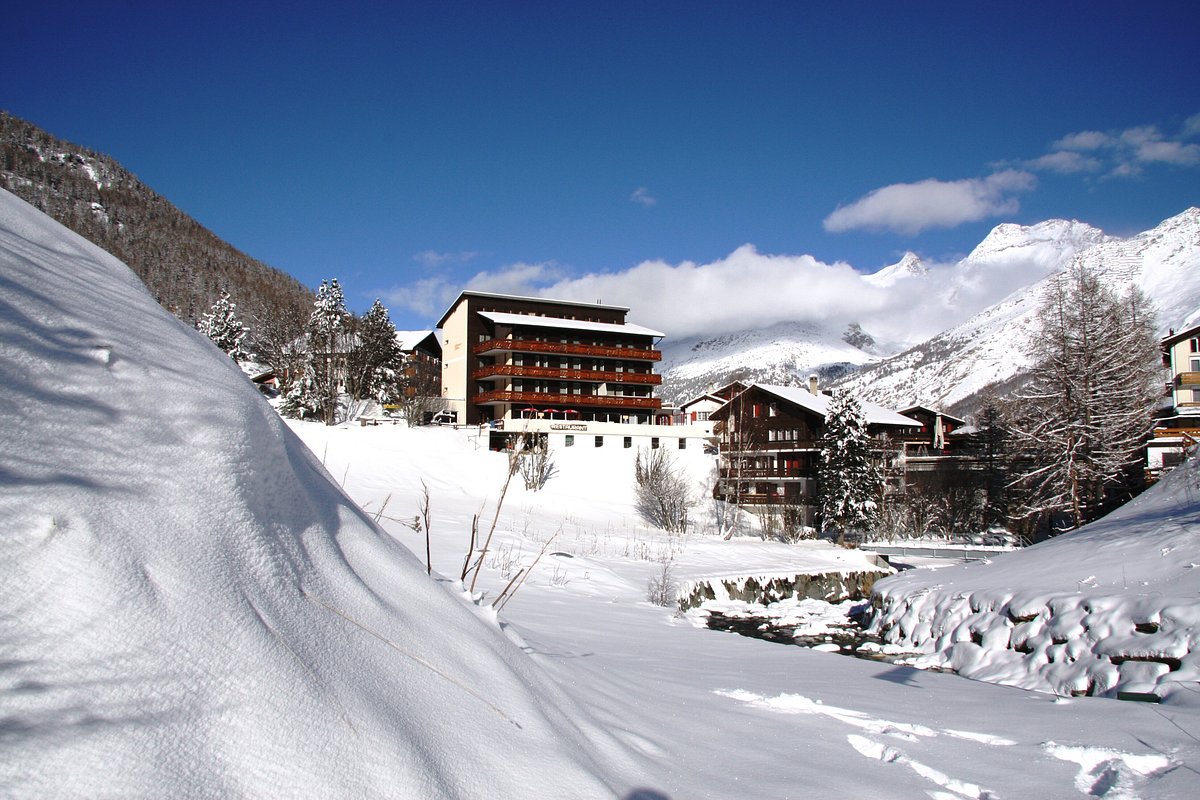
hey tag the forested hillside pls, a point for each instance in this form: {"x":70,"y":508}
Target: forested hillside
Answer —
{"x":185,"y":266}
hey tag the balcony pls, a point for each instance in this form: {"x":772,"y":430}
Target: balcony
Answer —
{"x":1188,"y":379}
{"x":565,"y":348}
{"x":556,"y":399}
{"x":554,"y":373}
{"x":769,"y":473}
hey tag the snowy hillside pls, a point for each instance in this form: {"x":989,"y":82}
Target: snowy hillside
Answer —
{"x":1114,"y":606}
{"x":192,"y":608}
{"x":955,"y":364}
{"x":784,"y":354}
{"x":903,"y":304}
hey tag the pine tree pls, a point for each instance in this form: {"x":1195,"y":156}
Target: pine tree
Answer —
{"x":375,"y":361}
{"x":1079,"y":424}
{"x":314,"y":390}
{"x":221,"y":324}
{"x":848,"y":479}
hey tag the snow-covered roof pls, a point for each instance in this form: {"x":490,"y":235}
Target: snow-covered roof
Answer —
{"x":819,"y":404}
{"x":932,"y":412}
{"x":710,"y":398}
{"x":409,"y":340}
{"x":505,"y":318}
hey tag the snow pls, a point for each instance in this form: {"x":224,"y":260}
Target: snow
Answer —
{"x":990,"y":347}
{"x":1113,"y":607}
{"x":502,"y":318}
{"x":198,"y":601}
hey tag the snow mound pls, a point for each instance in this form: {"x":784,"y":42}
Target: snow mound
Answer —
{"x":192,"y":607}
{"x":1113,"y":607}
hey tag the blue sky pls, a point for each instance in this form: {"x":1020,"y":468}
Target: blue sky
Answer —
{"x":415,"y":149}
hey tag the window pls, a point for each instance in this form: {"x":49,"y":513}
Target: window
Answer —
{"x":599,"y":441}
{"x":1195,"y":344}
{"x":756,"y":410}
{"x":570,"y":440}
{"x":628,"y":442}
{"x":683,"y":444}
{"x":1195,"y":365}
{"x":653,"y":442}
{"x":772,"y":410}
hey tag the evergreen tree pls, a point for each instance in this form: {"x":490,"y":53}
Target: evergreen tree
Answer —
{"x":221,"y":324}
{"x":375,"y":361}
{"x":1080,"y":423}
{"x":314,"y":390}
{"x":849,"y":481}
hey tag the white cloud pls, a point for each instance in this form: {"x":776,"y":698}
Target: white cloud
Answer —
{"x":1191,"y":127}
{"x":432,"y":258}
{"x":427,"y":297}
{"x":746,"y":289}
{"x":642,"y":197}
{"x":1084,"y":140}
{"x":913,"y":207}
{"x":1125,"y":152}
{"x":1064,"y":162}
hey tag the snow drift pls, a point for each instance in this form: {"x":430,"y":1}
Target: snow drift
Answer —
{"x":192,"y":607}
{"x":1113,"y":607}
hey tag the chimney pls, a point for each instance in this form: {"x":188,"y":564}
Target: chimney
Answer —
{"x":812,"y":384}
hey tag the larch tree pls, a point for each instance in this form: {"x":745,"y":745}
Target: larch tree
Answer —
{"x":221,"y":324}
{"x":1078,"y":426}
{"x":848,"y":479}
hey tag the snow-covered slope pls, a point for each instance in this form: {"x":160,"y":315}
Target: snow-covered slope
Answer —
{"x":191,"y":607}
{"x":910,"y":266}
{"x":922,"y":300}
{"x":1114,"y":606}
{"x":989,"y":348}
{"x":784,"y":354}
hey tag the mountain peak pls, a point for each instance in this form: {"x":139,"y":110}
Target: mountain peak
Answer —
{"x":910,"y":265}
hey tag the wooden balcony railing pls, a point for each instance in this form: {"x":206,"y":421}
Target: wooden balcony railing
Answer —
{"x":571,"y":400}
{"x":554,"y":373}
{"x":1188,"y":379}
{"x":771,"y":473}
{"x":527,"y":346}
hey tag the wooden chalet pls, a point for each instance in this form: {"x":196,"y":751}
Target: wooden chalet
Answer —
{"x":770,"y":446}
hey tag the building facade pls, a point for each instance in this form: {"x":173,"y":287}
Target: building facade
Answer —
{"x":507,"y":358}
{"x":770,"y":443}
{"x":1178,"y":425}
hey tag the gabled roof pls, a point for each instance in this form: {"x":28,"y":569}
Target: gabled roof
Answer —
{"x":712,"y":398}
{"x":419,"y":340}
{"x":933,"y":412}
{"x":1173,"y":339}
{"x":819,"y":404}
{"x":506,"y":318}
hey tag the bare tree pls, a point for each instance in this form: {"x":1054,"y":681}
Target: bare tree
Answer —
{"x":663,"y":495}
{"x":536,"y":462}
{"x":1081,"y":420}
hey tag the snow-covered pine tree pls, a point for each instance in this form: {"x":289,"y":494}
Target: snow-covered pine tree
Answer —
{"x":1079,"y":424}
{"x":316,"y":388}
{"x":221,"y":324}
{"x":375,"y":361}
{"x":848,"y":480}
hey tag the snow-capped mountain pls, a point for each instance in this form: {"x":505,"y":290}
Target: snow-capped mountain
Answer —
{"x":989,"y":348}
{"x":925,"y":298}
{"x":909,"y":266}
{"x":784,"y":354}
